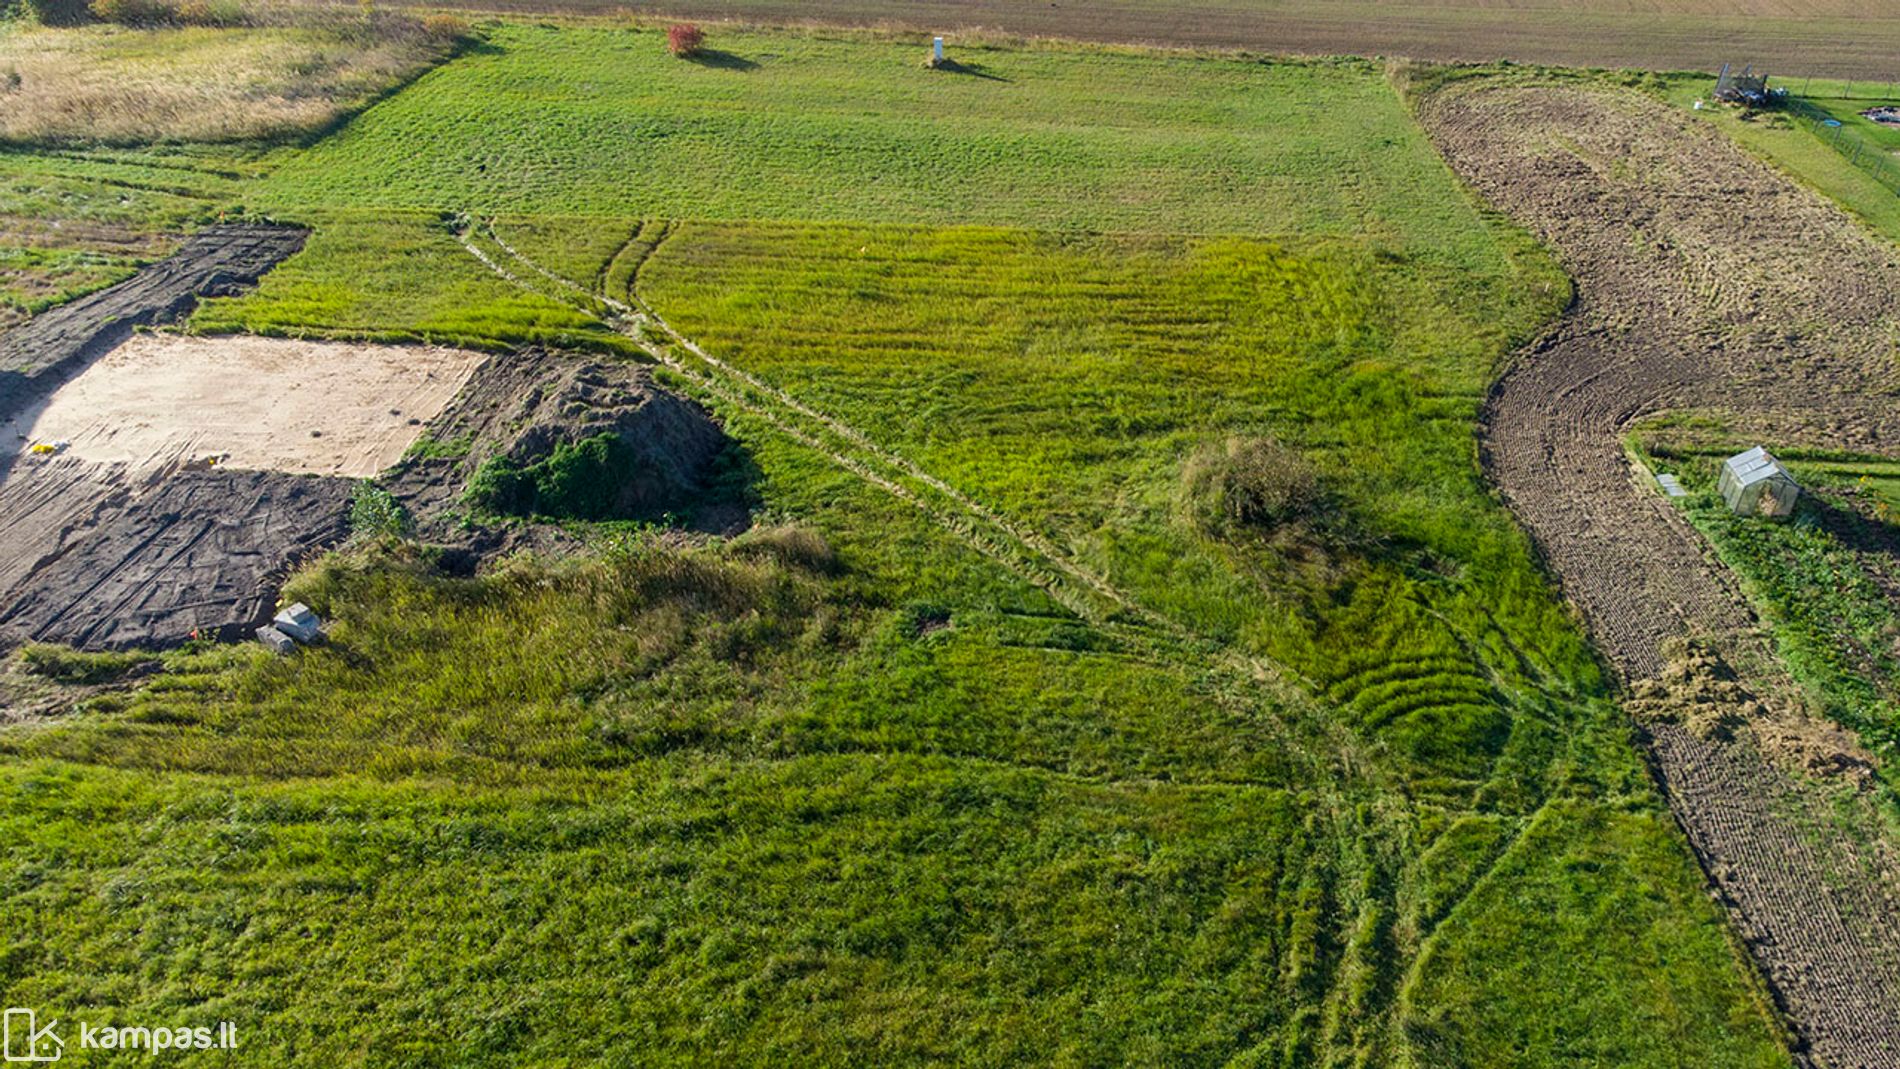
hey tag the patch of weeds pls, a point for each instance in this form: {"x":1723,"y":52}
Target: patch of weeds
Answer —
{"x":920,"y":619}
{"x":1252,"y":483}
{"x":582,"y":480}
{"x":376,"y":514}
{"x":429,"y":447}
{"x":795,"y":547}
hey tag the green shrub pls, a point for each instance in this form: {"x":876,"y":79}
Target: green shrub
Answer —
{"x":376,"y":514}
{"x":59,"y":12}
{"x":582,"y":480}
{"x":134,"y":12}
{"x":1254,"y":483}
{"x":211,"y":13}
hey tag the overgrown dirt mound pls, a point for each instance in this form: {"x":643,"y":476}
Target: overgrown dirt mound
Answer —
{"x":596,"y":441}
{"x":561,"y":436}
{"x":1704,"y":280}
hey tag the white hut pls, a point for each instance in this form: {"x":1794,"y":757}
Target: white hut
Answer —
{"x":1755,"y":484}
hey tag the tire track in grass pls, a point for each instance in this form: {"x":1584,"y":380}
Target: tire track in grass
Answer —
{"x":1338,"y":755}
{"x":640,"y":312}
{"x":749,"y":395}
{"x":638,"y":315}
{"x":1340,"y":766}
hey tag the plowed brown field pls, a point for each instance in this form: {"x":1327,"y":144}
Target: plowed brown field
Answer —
{"x":1821,"y":38}
{"x":1704,"y":280}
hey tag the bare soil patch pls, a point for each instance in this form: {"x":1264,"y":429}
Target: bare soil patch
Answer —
{"x":1821,"y":38}
{"x":111,"y":554}
{"x":266,"y":404}
{"x":127,"y":537}
{"x":1704,"y":280}
{"x":56,"y":344}
{"x":148,"y":561}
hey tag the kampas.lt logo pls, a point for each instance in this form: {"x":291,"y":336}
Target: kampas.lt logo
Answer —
{"x":26,"y":1040}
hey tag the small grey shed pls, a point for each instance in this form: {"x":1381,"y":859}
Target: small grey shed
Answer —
{"x":1755,"y":484}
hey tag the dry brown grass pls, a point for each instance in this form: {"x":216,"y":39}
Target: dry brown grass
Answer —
{"x":111,"y":85}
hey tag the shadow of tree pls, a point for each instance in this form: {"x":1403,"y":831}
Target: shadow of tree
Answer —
{"x":722,"y":60}
{"x":951,"y":66}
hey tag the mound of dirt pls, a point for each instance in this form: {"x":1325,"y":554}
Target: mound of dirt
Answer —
{"x":1700,"y":691}
{"x":520,"y":412}
{"x":596,"y":441}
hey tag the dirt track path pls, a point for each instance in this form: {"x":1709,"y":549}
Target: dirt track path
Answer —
{"x":1704,"y":280}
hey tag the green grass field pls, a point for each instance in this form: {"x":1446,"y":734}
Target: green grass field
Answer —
{"x":812,"y":128}
{"x":846,"y":790}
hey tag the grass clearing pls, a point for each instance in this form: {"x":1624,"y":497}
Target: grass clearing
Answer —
{"x":1068,"y":381}
{"x":396,"y":278}
{"x":846,"y":790}
{"x":605,"y":123}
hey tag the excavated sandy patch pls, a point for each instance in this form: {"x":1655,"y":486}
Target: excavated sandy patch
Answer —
{"x":266,"y":404}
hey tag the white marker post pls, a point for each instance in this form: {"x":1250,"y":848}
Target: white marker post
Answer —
{"x":937,"y":53}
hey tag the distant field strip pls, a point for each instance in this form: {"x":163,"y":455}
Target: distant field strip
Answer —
{"x":796,"y":127}
{"x":1836,"y":38}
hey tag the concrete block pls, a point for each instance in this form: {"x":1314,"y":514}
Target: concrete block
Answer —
{"x":278,"y":642}
{"x":299,"y":623}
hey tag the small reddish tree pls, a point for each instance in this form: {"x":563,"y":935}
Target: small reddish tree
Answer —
{"x":684,"y":39}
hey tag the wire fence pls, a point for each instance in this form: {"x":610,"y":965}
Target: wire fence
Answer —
{"x":1860,"y":150}
{"x":1859,"y":147}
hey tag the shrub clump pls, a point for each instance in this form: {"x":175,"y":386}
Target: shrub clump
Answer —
{"x":59,"y":12}
{"x":685,"y":39}
{"x":134,"y":12}
{"x":149,"y":13}
{"x":1250,"y":483}
{"x":445,"y":27}
{"x":376,"y":514}
{"x":577,"y":480}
